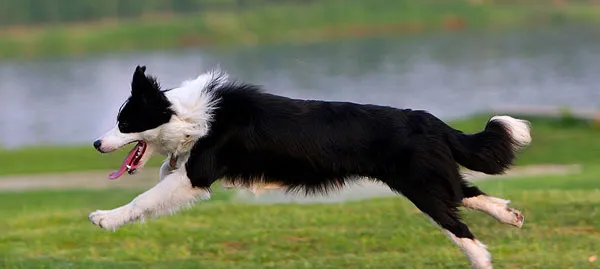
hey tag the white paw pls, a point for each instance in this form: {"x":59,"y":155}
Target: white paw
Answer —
{"x":111,"y":220}
{"x":506,"y":214}
{"x":513,"y":217}
{"x":497,"y":208}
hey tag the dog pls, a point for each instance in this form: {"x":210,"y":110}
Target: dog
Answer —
{"x":215,"y":128}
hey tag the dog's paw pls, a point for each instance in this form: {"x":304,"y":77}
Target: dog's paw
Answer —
{"x":514,"y":217}
{"x":497,"y":208}
{"x":506,"y":214}
{"x":111,"y":220}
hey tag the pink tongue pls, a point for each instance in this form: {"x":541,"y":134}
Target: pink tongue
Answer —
{"x":121,"y":171}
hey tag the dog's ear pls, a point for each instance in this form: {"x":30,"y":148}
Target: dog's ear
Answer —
{"x":142,"y":84}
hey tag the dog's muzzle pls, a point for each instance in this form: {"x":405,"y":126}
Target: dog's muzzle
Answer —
{"x":98,"y":144}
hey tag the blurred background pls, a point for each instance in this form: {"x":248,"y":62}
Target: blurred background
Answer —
{"x":66,"y":66}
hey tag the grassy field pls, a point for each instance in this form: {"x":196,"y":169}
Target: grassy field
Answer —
{"x":307,"y":22}
{"x":561,"y":141}
{"x":47,"y":229}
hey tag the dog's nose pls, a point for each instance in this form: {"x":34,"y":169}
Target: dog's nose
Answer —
{"x":97,"y":144}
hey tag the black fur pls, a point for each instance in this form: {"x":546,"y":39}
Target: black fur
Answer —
{"x":486,"y":151}
{"x":147,"y":108}
{"x":317,"y":146}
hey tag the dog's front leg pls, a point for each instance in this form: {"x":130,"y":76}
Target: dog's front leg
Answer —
{"x":169,"y":195}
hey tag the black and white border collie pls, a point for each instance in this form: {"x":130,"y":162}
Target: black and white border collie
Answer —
{"x":212,"y":128}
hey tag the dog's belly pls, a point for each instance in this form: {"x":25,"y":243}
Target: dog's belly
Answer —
{"x":257,"y":188}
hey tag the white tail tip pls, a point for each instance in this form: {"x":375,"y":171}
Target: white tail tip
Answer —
{"x":520,"y":130}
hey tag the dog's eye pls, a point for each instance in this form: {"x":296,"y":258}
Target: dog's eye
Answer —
{"x":123,"y":125}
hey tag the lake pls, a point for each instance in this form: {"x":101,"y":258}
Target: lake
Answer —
{"x":73,"y":100}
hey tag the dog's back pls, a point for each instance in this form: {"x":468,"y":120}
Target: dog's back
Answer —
{"x":314,"y":145}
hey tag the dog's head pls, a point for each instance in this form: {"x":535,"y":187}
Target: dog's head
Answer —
{"x":165,"y":122}
{"x":140,"y":120}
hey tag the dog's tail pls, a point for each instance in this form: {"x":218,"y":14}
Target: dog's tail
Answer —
{"x":492,"y":150}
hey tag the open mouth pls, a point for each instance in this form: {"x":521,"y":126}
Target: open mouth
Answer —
{"x":132,"y":160}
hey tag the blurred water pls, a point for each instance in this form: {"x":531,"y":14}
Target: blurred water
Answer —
{"x":74,"y":100}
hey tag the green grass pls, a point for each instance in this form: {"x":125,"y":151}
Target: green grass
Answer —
{"x":275,"y":23}
{"x":561,"y":141}
{"x":49,"y":229}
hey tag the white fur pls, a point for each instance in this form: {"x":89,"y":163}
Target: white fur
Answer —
{"x":193,"y":106}
{"x":114,"y":139}
{"x":495,"y":207}
{"x":172,"y":193}
{"x":475,"y":251}
{"x":518,"y":129}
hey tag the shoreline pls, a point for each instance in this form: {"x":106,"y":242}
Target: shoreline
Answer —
{"x":281,"y":23}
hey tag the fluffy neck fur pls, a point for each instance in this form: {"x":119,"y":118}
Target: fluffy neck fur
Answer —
{"x":193,"y":103}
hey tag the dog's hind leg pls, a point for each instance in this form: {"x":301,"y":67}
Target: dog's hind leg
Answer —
{"x":170,"y":194}
{"x":495,"y":207}
{"x":435,"y":202}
